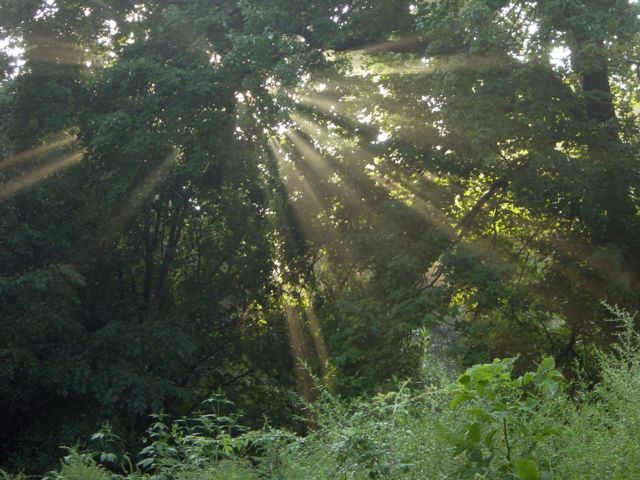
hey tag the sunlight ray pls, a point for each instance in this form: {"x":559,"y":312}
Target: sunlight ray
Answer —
{"x":307,"y":152}
{"x":122,"y":213}
{"x":131,"y":204}
{"x":331,"y":174}
{"x":333,"y":105}
{"x":451,"y":63}
{"x":339,"y":144}
{"x":309,"y":200}
{"x":53,"y":50}
{"x":299,"y":352}
{"x":425,"y":209}
{"x":292,"y":176}
{"x":405,"y":128}
{"x":305,"y":196}
{"x":411,"y":198}
{"x":318,"y":339}
{"x":430,"y":213}
{"x":480,"y":247}
{"x":409,"y":44}
{"x":28,"y":179}
{"x":35,"y":151}
{"x":298,"y":190}
{"x":361,"y":154}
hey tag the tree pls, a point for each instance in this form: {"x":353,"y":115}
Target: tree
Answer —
{"x":181,"y":181}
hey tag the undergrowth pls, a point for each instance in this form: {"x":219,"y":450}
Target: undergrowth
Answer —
{"x":488,"y":424}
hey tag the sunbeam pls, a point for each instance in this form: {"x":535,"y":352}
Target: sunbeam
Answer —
{"x":309,"y":199}
{"x":307,"y":153}
{"x":425,"y":209}
{"x":413,"y":43}
{"x":126,"y":209}
{"x":299,"y":352}
{"x":318,"y":340}
{"x":298,"y":188}
{"x":332,"y":104}
{"x":330,"y":174}
{"x":35,"y":151}
{"x":28,"y":179}
{"x":53,"y":50}
{"x":130,"y":205}
{"x":451,"y":63}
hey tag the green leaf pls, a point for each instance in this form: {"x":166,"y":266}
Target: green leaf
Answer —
{"x":458,"y":399}
{"x":145,"y":463}
{"x":526,"y":470}
{"x":474,"y":434}
{"x":488,"y":440}
{"x":108,"y":457}
{"x":527,"y":378}
{"x":530,"y":404}
{"x":480,"y":413}
{"x":546,"y":365}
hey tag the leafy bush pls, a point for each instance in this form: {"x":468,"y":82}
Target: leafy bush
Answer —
{"x":498,"y":434}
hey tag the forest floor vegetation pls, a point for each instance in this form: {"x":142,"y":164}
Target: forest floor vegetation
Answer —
{"x":488,"y":424}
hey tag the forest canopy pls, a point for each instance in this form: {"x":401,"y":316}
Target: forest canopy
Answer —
{"x":253,"y":199}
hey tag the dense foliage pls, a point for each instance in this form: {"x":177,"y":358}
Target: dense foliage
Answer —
{"x":490,"y":424}
{"x":247,"y":198}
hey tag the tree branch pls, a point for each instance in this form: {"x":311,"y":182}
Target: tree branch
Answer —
{"x":467,"y":221}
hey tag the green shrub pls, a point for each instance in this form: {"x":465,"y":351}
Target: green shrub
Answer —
{"x":79,"y":466}
{"x":498,"y":435}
